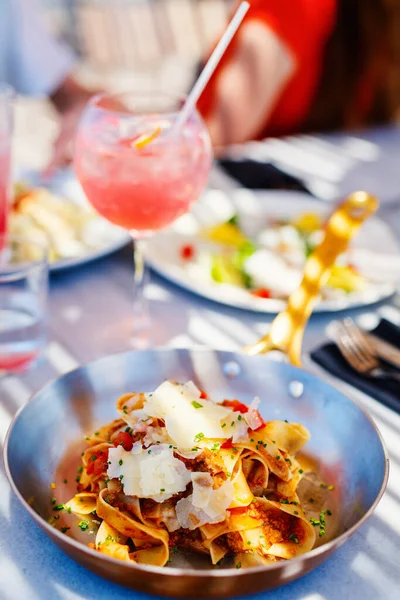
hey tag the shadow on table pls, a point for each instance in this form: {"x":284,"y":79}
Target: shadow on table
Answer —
{"x":45,"y":573}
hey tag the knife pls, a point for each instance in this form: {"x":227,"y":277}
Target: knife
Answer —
{"x":384,"y":350}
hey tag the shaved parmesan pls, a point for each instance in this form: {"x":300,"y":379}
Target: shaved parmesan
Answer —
{"x":156,"y":435}
{"x":153,"y":473}
{"x":202,"y":489}
{"x":205,"y":505}
{"x":252,"y":416}
{"x":186,"y":416}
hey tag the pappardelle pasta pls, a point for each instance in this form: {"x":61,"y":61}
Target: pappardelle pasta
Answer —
{"x":177,"y":471}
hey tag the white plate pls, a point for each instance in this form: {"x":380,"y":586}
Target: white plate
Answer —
{"x":65,"y":185}
{"x":255,"y":209}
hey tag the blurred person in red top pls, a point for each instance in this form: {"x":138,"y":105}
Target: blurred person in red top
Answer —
{"x":302,"y":65}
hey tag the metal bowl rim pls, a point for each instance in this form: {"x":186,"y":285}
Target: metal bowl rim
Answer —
{"x":174,"y":571}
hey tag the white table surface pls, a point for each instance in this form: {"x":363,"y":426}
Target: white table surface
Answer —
{"x":90,"y":316}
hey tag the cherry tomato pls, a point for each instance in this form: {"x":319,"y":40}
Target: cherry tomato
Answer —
{"x":125,"y":440}
{"x":99,"y":464}
{"x":187,"y":252}
{"x":203,"y":395}
{"x":261,"y":293}
{"x":227,"y":443}
{"x":236,"y":406}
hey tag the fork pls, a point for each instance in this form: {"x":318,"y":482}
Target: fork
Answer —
{"x":359,"y":352}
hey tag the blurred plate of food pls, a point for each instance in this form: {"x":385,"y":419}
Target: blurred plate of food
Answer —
{"x":248,"y":249}
{"x":58,"y":215}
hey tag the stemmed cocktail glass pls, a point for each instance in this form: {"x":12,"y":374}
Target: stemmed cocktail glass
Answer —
{"x":140,"y":169}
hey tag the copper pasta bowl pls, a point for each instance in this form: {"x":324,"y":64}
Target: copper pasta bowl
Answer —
{"x":345,"y":459}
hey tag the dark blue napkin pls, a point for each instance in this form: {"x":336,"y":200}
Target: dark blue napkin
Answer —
{"x":383,"y":390}
{"x":260,"y":176}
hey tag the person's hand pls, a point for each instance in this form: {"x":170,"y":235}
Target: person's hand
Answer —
{"x":69,"y":99}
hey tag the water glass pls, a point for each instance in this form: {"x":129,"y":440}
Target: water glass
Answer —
{"x":23,"y":297}
{"x":6,"y":125}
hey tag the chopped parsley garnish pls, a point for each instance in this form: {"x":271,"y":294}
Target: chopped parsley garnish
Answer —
{"x":232,"y":456}
{"x":162,"y":490}
{"x":228,"y":474}
{"x":96,"y":432}
{"x":234,"y":220}
{"x":65,"y":481}
{"x":301,"y":471}
{"x":286,"y":421}
{"x":196,"y":404}
{"x":59,"y":507}
{"x":215,"y":447}
{"x":120,"y":462}
{"x":175,"y":549}
{"x":53,"y":500}
{"x":273,"y":441}
{"x":249,"y":543}
{"x":93,"y":457}
{"x":232,"y":424}
{"x":87,"y":438}
{"x":125,"y":410}
{"x":331,"y":488}
{"x":294,"y":538}
{"x":311,"y":500}
{"x":121,"y":477}
{"x":239,"y":417}
{"x":170,"y":446}
{"x":295,"y":512}
{"x":83,"y":525}
{"x":288,"y":461}
{"x":69,"y":510}
{"x":198,"y":437}
{"x":238,"y":565}
{"x":322,"y":524}
{"x":324,"y":485}
{"x":329,"y":513}
{"x":223,"y":425}
{"x":284,"y":501}
{"x":278,"y":457}
{"x":252,"y":440}
{"x":148,"y":451}
{"x":64,"y":529}
{"x":314,"y":522}
{"x":128,"y":429}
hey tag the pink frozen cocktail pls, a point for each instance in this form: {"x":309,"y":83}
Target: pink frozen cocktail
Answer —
{"x":5,"y":199}
{"x":142,"y":188}
{"x":139,"y":170}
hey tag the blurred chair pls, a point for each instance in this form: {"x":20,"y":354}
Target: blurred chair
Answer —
{"x":147,"y":39}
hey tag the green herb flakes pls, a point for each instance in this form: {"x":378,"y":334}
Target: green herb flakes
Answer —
{"x":83,"y":525}
{"x":196,"y":404}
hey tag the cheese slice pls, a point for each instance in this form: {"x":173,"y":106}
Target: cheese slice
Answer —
{"x":188,"y":418}
{"x":205,"y":505}
{"x":150,"y":473}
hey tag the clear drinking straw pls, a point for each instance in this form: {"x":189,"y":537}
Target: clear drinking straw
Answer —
{"x":211,"y":65}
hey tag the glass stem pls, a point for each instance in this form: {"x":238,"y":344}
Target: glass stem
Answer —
{"x":141,"y":314}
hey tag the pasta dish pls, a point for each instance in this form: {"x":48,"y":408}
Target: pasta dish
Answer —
{"x":179,"y":471}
